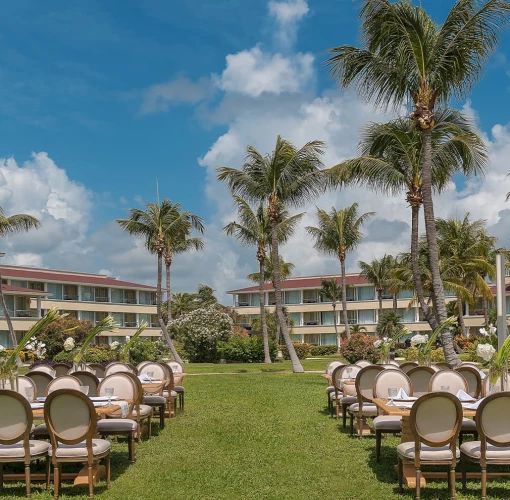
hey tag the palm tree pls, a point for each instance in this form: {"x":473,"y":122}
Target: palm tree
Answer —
{"x":408,"y":56}
{"x":155,"y":224}
{"x":337,"y":234}
{"x":378,"y":273}
{"x":288,"y":177}
{"x":182,"y":303}
{"x":254,"y":229}
{"x":332,"y":291}
{"x":286,"y":270}
{"x":390,"y":163}
{"x":18,"y":223}
{"x":357,"y":329}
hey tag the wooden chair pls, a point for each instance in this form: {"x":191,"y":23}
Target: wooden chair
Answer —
{"x":390,"y":366}
{"x":44,"y":369}
{"x":61,"y":369}
{"x":178,"y":372}
{"x":86,"y":368}
{"x":442,"y":365}
{"x":331,"y":388}
{"x":120,"y":368}
{"x":65,"y":382}
{"x":435,"y":422}
{"x":71,"y":420}
{"x":473,"y":379}
{"x":420,"y":378}
{"x":168,"y":391}
{"x":15,"y":443}
{"x":388,"y":424}
{"x":41,"y":381}
{"x":98,"y":368}
{"x":494,"y":430}
{"x":141,"y":412}
{"x":448,"y":381}
{"x":363,"y":362}
{"x":154,"y":396}
{"x":24,"y":383}
{"x":343,"y":397}
{"x":408,"y":365}
{"x":90,"y":380}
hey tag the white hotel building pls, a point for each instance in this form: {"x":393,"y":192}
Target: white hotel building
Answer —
{"x":313,"y":316}
{"x":30,"y":292}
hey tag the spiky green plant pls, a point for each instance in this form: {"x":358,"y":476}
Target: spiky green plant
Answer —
{"x":105,"y":325}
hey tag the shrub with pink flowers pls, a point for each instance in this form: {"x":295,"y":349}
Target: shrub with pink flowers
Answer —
{"x":359,"y":346}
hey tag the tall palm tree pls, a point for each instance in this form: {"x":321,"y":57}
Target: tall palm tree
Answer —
{"x":254,"y":229}
{"x":182,"y":303}
{"x":286,"y":270}
{"x":407,"y":56}
{"x":378,"y":273}
{"x":332,"y":291}
{"x":288,"y":177}
{"x":390,"y":163}
{"x":337,"y":234}
{"x":155,"y":224}
{"x":18,"y":223}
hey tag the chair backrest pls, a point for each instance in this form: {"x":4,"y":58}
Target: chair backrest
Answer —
{"x":88,"y":379}
{"x":26,"y":383}
{"x":65,"y":382}
{"x":175,"y":366}
{"x":45,"y":369}
{"x":340,"y":373}
{"x":408,"y":365}
{"x":329,"y":369}
{"x":390,"y":366}
{"x":365,"y":382}
{"x":420,"y":378}
{"x":169,"y":376}
{"x":83,"y":367}
{"x":492,"y":420}
{"x":138,"y":387}
{"x":98,"y":368}
{"x":41,"y":381}
{"x":470,"y":363}
{"x":61,"y":369}
{"x":473,"y":379}
{"x":448,"y":381}
{"x":442,"y":365}
{"x":71,"y":418}
{"x":158,"y":373}
{"x":363,"y":363}
{"x":391,"y":379}
{"x":119,"y":368}
{"x":123,"y":386}
{"x":15,"y":418}
{"x":139,"y":365}
{"x":435,"y":420}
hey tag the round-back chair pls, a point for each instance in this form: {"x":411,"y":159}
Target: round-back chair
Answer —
{"x":391,"y":379}
{"x":119,"y":368}
{"x":473,"y":379}
{"x":88,"y":379}
{"x":329,"y":369}
{"x":363,"y":362}
{"x":408,"y":365}
{"x":61,"y":369}
{"x":177,"y":367}
{"x":420,"y":378}
{"x":65,"y":382}
{"x":84,"y":367}
{"x":448,"y":381}
{"x":158,"y":374}
{"x":442,"y":365}
{"x":98,"y":368}
{"x":44,"y":369}
{"x":390,"y":366}
{"x":41,"y":381}
{"x":343,"y":395}
{"x":140,"y":365}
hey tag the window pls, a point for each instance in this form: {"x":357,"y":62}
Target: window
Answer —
{"x":146,"y":298}
{"x":386,"y":294}
{"x":271,"y":301}
{"x":296,"y":338}
{"x":243,"y":300}
{"x":130,"y":320}
{"x":129,"y":296}
{"x":366,"y":293}
{"x":351,"y":293}
{"x":154,"y":321}
{"x":296,"y":318}
{"x":365,"y":316}
{"x":243,"y":320}
{"x":117,"y":296}
{"x":9,"y":302}
{"x":100,"y":315}
{"x":407,"y":317}
{"x":310,"y":296}
{"x":101,"y":295}
{"x":36,"y":285}
{"x":56,"y":290}
{"x":292,"y":297}
{"x":5,"y":339}
{"x":352,"y":317}
{"x":21,"y":284}
{"x":118,"y":318}
{"x":255,"y":299}
{"x":327,"y":318}
{"x":71,"y":314}
{"x":312,"y":338}
{"x":405,"y":294}
{"x":87,"y":294}
{"x":87,"y":316}
{"x":328,"y":339}
{"x":145,"y":318}
{"x":310,"y":318}
{"x":70,"y":292}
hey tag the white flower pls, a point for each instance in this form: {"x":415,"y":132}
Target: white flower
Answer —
{"x":69,"y":344}
{"x":114,"y":345}
{"x":485,"y":351}
{"x":127,"y":338}
{"x":419,"y":339}
{"x":483,"y":332}
{"x":377,"y":343}
{"x":492,"y":329}
{"x":386,"y":339}
{"x":2,"y":348}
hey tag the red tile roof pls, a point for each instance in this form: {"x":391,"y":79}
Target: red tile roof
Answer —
{"x":11,"y":290}
{"x":305,"y":282}
{"x":27,"y":273}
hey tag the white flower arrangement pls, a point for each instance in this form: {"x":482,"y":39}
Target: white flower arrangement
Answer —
{"x":378,"y":343}
{"x":114,"y":345}
{"x":69,"y":344}
{"x":419,"y":340}
{"x":488,"y":332}
{"x":38,"y":348}
{"x":485,"y":351}
{"x":128,"y":338}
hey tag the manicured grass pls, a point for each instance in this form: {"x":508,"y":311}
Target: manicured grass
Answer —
{"x":263,"y":435}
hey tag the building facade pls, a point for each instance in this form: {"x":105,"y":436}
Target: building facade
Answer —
{"x":313,"y":318}
{"x":30,"y":292}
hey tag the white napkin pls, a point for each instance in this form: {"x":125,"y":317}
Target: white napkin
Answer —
{"x":482,"y":374}
{"x":463,"y":396}
{"x":402,"y":394}
{"x":36,"y":406}
{"x":124,"y":408}
{"x":144,"y":378}
{"x":474,"y":406}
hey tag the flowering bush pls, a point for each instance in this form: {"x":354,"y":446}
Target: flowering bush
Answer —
{"x":359,"y":346}
{"x":485,"y":351}
{"x":200,"y":331}
{"x":419,"y":340}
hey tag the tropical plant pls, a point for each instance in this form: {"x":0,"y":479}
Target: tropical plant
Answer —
{"x":246,"y":350}
{"x":156,"y":224}
{"x":286,"y":270}
{"x":407,"y":55}
{"x":182,"y":303}
{"x":253,"y":229}
{"x":390,"y":325}
{"x":105,"y":325}
{"x":337,"y":234}
{"x":357,"y":329}
{"x":378,"y":273}
{"x":13,"y":224}
{"x":286,"y":178}
{"x":360,"y":346}
{"x":204,"y":297}
{"x":332,"y":292}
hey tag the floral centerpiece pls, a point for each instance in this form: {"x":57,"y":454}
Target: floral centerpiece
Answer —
{"x":495,"y":360}
{"x":424,"y":343}
{"x":386,"y":343}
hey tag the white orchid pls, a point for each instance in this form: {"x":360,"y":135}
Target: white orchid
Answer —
{"x":114,"y":345}
{"x":378,"y":343}
{"x":419,"y":340}
{"x":485,"y":351}
{"x":69,"y":344}
{"x":2,"y":348}
{"x":386,"y":340}
{"x":492,"y":329}
{"x":483,"y":332}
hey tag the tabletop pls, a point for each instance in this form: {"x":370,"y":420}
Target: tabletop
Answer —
{"x":382,"y":404}
{"x":100,"y":410}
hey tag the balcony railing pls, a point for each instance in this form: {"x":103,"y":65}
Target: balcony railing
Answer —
{"x":101,"y":299}
{"x":311,"y":323}
{"x":29,"y":313}
{"x":71,"y":296}
{"x":309,"y":301}
{"x":130,"y":324}
{"x":242,"y":303}
{"x":155,"y":325}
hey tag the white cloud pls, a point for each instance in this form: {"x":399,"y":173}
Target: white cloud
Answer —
{"x":253,"y":72}
{"x":287,"y":14}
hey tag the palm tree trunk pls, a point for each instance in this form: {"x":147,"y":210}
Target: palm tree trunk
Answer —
{"x":485,"y":306}
{"x":265,"y":336}
{"x":462,"y":323}
{"x":159,"y":299}
{"x":430,"y":227}
{"x":7,"y":316}
{"x":395,"y":303}
{"x":344,"y":299}
{"x":168,"y":296}
{"x":338,"y":338}
{"x":379,"y":298}
{"x":296,"y":364}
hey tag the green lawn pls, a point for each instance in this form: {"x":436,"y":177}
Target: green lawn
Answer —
{"x":262,"y":435}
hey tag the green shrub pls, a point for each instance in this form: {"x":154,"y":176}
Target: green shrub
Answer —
{"x":302,"y":350}
{"x":323,"y":350}
{"x":64,"y":357}
{"x":360,"y":346}
{"x":144,"y":350}
{"x":95,"y":354}
{"x":436,"y":355}
{"x":246,"y":349}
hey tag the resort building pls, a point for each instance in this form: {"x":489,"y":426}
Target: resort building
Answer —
{"x":312,"y":316}
{"x":30,"y":292}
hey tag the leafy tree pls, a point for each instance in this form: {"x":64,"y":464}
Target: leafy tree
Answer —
{"x":286,"y":270}
{"x":332,"y":291}
{"x":182,"y":303}
{"x":288,"y":177}
{"x":378,"y":273}
{"x":389,"y":324}
{"x":205,"y":296}
{"x":55,"y":334}
{"x":337,"y":234}
{"x":406,"y":56}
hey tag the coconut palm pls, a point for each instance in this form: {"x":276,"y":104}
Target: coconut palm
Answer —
{"x":357,"y":329}
{"x":158,"y":222}
{"x":390,"y":163}
{"x":18,"y":223}
{"x":288,"y":177}
{"x":286,"y":270}
{"x":337,"y":234}
{"x":407,"y":56}
{"x":378,"y":273}
{"x":254,"y":229}
{"x":182,"y":303}
{"x":332,"y":291}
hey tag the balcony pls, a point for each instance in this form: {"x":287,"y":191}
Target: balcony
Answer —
{"x":71,"y":297}
{"x":309,"y":301}
{"x":101,"y":299}
{"x":311,"y":323}
{"x":129,"y":301}
{"x":242,"y":303}
{"x":29,"y":313}
{"x":130,"y":324}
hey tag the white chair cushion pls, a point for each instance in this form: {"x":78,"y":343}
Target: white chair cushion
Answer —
{"x":330,"y":389}
{"x":388,"y":423}
{"x":406,"y":450}
{"x":173,"y":394}
{"x":106,"y":425}
{"x":154,"y":400}
{"x":40,"y":430}
{"x":472,"y":449}
{"x":145,"y":411}
{"x":17,"y":450}
{"x":468,"y":425}
{"x":99,"y":446}
{"x":369,"y":409}
{"x":179,"y":388}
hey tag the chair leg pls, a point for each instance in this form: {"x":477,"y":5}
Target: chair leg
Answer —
{"x":1,"y":476}
{"x":56,"y":480}
{"x":162,"y":416}
{"x":344,"y":416}
{"x":181,"y":401}
{"x":378,"y":438}
{"x":48,"y":472}
{"x":91,"y":480}
{"x":484,"y":483}
{"x":400,"y":474}
{"x":149,"y":427}
{"x":352,"y":424}
{"x":27,"y":479}
{"x":108,"y":471}
{"x":460,"y":439}
{"x":452,"y":482}
{"x":418,"y":479}
{"x":449,"y":482}
{"x":131,"y":447}
{"x":464,"y":486}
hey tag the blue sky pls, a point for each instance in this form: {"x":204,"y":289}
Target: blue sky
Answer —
{"x":121,"y":93}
